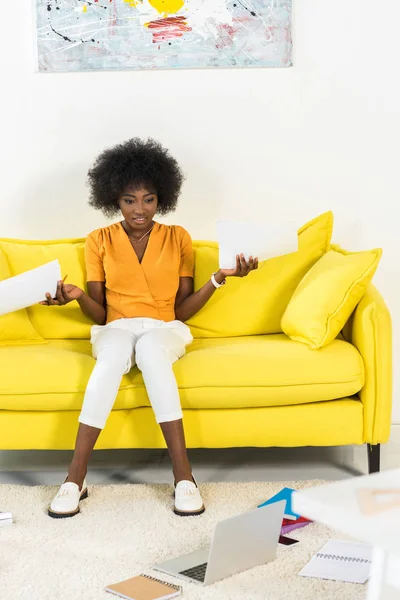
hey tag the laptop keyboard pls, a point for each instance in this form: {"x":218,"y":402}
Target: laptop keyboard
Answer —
{"x":198,"y":572}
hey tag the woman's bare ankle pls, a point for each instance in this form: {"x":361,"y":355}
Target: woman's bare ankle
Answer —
{"x":76,"y":476}
{"x":183,"y":476}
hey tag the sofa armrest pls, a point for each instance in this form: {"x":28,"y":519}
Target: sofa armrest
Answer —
{"x":370,"y":330}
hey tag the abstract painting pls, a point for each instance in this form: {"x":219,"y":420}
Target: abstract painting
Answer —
{"x":83,"y":35}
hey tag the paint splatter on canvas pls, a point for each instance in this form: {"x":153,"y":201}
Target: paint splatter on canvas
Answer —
{"x":79,"y":35}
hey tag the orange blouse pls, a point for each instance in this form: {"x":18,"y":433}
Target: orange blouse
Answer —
{"x":134,"y":289}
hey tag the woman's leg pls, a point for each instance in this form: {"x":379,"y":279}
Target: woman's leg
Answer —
{"x":174,"y":436}
{"x":113,"y":349}
{"x":85,"y":441}
{"x":156,"y":351}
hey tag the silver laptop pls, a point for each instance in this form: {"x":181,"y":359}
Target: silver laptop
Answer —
{"x":238,"y":544}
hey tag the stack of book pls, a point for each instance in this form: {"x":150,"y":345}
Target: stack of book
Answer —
{"x":290,"y":525}
{"x":291,"y":520}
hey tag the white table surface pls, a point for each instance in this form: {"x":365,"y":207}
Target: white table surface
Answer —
{"x":336,"y":505}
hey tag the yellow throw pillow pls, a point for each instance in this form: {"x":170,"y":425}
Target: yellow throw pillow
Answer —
{"x":327,"y":296}
{"x":52,"y":322}
{"x":255,"y":304}
{"x":15,"y":328}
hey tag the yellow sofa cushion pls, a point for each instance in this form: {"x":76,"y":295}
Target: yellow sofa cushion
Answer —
{"x":56,"y":373}
{"x":15,"y":327}
{"x":255,"y":305}
{"x":254,"y":371}
{"x":52,"y":322}
{"x":328,"y":294}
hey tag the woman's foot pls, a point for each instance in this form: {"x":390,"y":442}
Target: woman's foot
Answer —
{"x":188,"y":500}
{"x":66,"y":502}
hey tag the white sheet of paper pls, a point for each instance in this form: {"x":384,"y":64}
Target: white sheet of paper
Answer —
{"x":5,"y":519}
{"x":340,"y":560}
{"x":5,"y":515}
{"x":29,"y":288}
{"x":262,"y":241}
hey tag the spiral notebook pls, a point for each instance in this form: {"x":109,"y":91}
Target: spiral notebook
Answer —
{"x":144,"y":587}
{"x":340,"y":560}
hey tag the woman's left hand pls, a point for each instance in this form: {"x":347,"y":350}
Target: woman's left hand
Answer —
{"x":242,"y":268}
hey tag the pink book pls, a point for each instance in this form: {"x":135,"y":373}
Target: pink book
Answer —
{"x":286,"y":528}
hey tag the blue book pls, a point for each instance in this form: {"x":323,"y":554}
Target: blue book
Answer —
{"x":284,"y":494}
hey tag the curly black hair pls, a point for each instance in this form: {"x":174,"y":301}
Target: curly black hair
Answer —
{"x":138,"y":162}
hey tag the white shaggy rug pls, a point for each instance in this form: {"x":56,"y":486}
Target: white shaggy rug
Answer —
{"x":123,"y":529}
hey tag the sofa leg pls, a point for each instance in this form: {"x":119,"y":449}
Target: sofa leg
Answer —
{"x":374,"y":456}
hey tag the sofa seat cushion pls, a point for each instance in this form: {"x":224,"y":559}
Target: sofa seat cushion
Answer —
{"x":53,"y":378}
{"x":254,"y":371}
{"x":266,"y":370}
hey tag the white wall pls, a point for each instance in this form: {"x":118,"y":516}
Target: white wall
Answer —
{"x":253,"y":143}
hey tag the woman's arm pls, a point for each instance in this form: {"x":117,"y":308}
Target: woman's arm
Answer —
{"x":92,"y":304}
{"x":188,"y":303}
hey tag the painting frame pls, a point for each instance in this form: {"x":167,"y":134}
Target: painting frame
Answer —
{"x":108,"y":35}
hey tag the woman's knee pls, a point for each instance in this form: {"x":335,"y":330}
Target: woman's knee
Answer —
{"x":145,"y":349}
{"x":114,"y":348}
{"x":156,"y":345}
{"x":113,"y":341}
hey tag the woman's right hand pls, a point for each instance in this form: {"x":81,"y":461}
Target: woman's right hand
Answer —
{"x":66,"y":292}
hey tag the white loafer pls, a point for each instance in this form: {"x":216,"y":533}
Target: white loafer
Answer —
{"x":66,"y":502}
{"x":188,"y":501}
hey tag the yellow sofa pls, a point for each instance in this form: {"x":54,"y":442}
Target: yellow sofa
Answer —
{"x":261,"y":389}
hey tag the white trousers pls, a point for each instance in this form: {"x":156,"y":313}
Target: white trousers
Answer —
{"x":154,"y":346}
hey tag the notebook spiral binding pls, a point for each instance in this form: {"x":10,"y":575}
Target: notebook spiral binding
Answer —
{"x":177,"y":588}
{"x":343,"y":558}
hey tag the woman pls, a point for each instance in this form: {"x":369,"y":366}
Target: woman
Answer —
{"x":140,"y":293}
